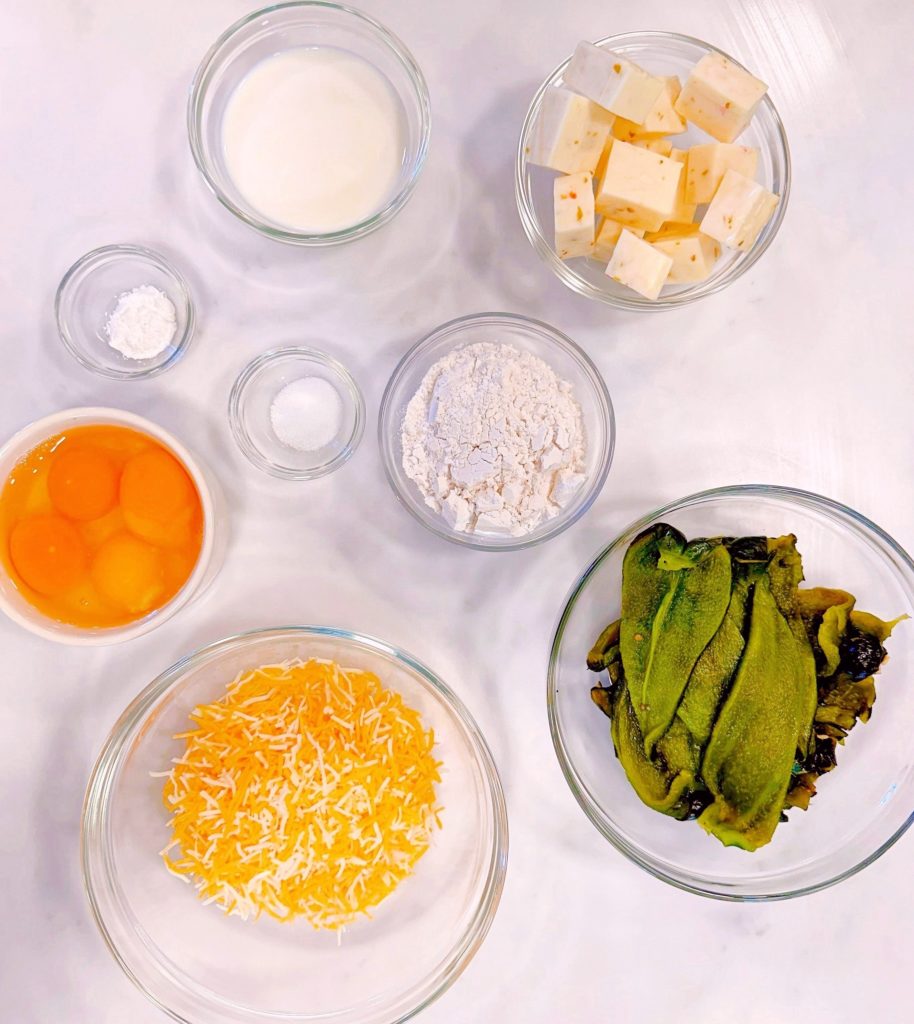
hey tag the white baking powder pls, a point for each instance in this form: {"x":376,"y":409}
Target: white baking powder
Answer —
{"x":143,"y":323}
{"x":494,"y":440}
{"x":306,"y":414}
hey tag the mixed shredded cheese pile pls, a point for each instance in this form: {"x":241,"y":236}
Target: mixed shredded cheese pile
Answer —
{"x":308,"y":789}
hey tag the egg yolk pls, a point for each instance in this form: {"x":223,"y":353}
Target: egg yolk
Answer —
{"x":129,"y":573}
{"x":82,"y":483}
{"x":157,"y":498}
{"x":48,"y":553}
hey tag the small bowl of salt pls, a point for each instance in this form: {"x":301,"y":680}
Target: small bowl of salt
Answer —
{"x":296,"y":413}
{"x":125,"y":312}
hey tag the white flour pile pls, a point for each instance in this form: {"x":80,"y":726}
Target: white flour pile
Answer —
{"x":494,"y":440}
{"x":143,"y":323}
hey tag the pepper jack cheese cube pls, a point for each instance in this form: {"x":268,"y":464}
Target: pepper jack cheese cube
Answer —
{"x":662,"y":146}
{"x":612,"y":81}
{"x":708,"y":164}
{"x":720,"y":97}
{"x":638,"y":265}
{"x":574,"y":215}
{"x":570,"y":133}
{"x":693,"y":254}
{"x":683,"y":211}
{"x":663,"y":118}
{"x":607,"y":236}
{"x":639,"y":187}
{"x":738,"y":212}
{"x":600,"y":169}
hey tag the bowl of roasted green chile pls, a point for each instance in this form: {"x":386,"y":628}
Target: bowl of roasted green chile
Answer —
{"x":731,"y":692}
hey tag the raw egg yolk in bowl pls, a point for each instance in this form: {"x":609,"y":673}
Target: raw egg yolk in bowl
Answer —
{"x":100,"y":526}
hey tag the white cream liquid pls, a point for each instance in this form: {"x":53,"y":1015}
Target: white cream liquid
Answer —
{"x":313,"y":139}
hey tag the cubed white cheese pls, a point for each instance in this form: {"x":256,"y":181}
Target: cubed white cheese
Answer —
{"x":683,"y":210}
{"x":663,"y":118}
{"x":639,"y":266}
{"x":615,"y":83}
{"x":607,"y":236}
{"x":570,"y":132}
{"x":600,"y":169}
{"x":738,"y":212}
{"x":708,"y":164}
{"x":720,"y":97}
{"x":662,"y":146}
{"x":574,"y":215}
{"x":693,"y":254}
{"x":639,"y":187}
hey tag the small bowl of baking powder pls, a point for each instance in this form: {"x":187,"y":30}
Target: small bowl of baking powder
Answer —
{"x":124,"y":312}
{"x":296,"y":413}
{"x":496,"y":431}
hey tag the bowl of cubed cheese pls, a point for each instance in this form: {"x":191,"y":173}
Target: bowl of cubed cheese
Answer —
{"x":652,"y":170}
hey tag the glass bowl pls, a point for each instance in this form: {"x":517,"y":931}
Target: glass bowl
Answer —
{"x":88,"y":294}
{"x":212,"y":552}
{"x":249,"y":413}
{"x":860,"y":809}
{"x":203,"y":967}
{"x":662,"y":53}
{"x":554,"y":348}
{"x":284,"y":26}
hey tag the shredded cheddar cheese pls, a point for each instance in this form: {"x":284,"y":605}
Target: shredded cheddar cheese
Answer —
{"x":308,"y":789}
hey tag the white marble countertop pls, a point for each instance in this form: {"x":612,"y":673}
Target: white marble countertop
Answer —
{"x":95,"y":151}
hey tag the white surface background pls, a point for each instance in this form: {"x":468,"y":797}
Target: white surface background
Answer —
{"x":800,"y":374}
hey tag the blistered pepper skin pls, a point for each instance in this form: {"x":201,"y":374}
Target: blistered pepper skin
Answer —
{"x":686,"y":621}
{"x":716,"y":665}
{"x":748,"y":760}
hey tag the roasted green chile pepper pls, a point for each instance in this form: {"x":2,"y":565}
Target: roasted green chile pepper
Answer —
{"x":687,"y":618}
{"x":717,"y":663}
{"x":748,"y":760}
{"x":657,"y":787}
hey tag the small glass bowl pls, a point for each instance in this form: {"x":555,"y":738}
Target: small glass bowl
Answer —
{"x":249,"y":412}
{"x":663,"y":53}
{"x":555,"y":349}
{"x":860,"y":809}
{"x":203,"y":967}
{"x":284,"y":26}
{"x":88,"y":294}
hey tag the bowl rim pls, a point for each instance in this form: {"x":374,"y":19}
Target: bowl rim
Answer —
{"x":553,"y":336}
{"x":242,"y":436}
{"x":198,"y":91}
{"x":24,"y":440}
{"x":575,"y":282}
{"x":89,"y":262}
{"x":108,"y":763}
{"x":579,"y":789}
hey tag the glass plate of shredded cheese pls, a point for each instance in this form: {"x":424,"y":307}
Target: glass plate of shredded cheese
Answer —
{"x":334,"y":812}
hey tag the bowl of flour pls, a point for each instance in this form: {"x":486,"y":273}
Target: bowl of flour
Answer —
{"x":496,"y":431}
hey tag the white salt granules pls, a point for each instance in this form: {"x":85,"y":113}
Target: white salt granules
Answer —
{"x":494,"y":440}
{"x":143,"y":323}
{"x":306,"y":414}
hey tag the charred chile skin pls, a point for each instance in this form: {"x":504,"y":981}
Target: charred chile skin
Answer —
{"x":861,"y":654}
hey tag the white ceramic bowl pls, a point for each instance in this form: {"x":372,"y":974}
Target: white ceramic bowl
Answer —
{"x":212,"y":552}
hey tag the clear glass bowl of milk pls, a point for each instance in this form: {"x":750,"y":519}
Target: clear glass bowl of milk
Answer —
{"x":310,"y":122}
